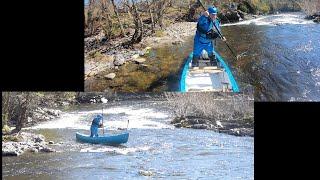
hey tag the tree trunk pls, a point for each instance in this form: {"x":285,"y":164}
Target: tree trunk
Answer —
{"x":90,"y":17}
{"x":137,"y":36}
{"x":23,"y":112}
{"x":5,"y":107}
{"x":151,"y":16}
{"x":161,"y":7}
{"x":118,"y":18}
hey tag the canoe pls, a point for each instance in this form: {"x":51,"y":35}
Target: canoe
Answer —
{"x":207,"y":78}
{"x":105,"y":139}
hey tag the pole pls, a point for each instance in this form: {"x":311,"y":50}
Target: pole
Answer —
{"x":102,"y":121}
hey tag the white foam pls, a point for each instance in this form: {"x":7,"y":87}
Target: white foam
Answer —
{"x":116,"y":150}
{"x":143,"y":118}
{"x":274,"y":20}
{"x":65,"y":121}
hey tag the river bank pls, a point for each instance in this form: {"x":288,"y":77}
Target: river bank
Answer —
{"x":149,"y":65}
{"x":116,"y":66}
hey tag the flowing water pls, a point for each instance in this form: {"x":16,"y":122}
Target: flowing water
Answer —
{"x":280,"y":57}
{"x":154,"y":148}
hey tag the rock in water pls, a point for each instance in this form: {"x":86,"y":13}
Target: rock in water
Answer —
{"x":47,"y":149}
{"x":145,"y":173}
{"x":110,"y":76}
{"x":199,"y":126}
{"x":104,"y":100}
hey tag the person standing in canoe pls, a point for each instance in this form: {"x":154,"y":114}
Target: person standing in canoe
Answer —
{"x":205,"y":33}
{"x":96,"y":123}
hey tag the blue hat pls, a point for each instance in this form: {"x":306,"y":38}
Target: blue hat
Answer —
{"x":212,"y":10}
{"x":99,"y":116}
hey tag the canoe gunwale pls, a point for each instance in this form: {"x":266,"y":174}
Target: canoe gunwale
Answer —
{"x":185,"y":71}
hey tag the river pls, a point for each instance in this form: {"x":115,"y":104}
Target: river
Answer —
{"x":154,"y":148}
{"x":279,"y":57}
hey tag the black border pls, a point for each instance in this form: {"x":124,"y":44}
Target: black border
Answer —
{"x":285,"y":139}
{"x":43,"y":46}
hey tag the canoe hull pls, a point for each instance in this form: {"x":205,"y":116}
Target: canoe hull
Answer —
{"x":219,"y":79}
{"x":106,"y":139}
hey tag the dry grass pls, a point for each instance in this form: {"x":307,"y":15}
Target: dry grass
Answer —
{"x":213,"y":106}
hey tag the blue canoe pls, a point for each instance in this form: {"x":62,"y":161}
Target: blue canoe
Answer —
{"x":106,"y":139}
{"x":211,"y":78}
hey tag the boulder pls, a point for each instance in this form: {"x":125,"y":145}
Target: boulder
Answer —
{"x":193,"y":121}
{"x":47,"y":149}
{"x":135,"y":56}
{"x":38,"y":139}
{"x":177,"y":125}
{"x":140,"y":60}
{"x":119,"y":60}
{"x":110,"y":76}
{"x":145,"y":173}
{"x":10,"y":149}
{"x":200,"y":126}
{"x":34,"y":150}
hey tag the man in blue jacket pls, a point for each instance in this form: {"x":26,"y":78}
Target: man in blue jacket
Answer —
{"x":205,"y":33}
{"x":96,"y":123}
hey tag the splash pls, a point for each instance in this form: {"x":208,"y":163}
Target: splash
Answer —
{"x":275,"y":20}
{"x":115,"y":150}
{"x":122,"y":117}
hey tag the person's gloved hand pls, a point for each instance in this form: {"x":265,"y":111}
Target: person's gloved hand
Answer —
{"x":206,"y":13}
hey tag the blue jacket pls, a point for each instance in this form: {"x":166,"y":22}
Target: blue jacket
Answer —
{"x":96,"y":122}
{"x":205,"y":24}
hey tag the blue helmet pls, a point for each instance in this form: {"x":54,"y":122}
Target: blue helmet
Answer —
{"x":212,"y":10}
{"x":99,"y":116}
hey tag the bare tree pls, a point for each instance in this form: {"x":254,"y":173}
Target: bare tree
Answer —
{"x":192,"y":10}
{"x":138,"y":33}
{"x":90,"y":18}
{"x":162,"y":4}
{"x":23,"y":105}
{"x":118,"y":18}
{"x":5,"y":107}
{"x":151,"y":15}
{"x":105,"y":20}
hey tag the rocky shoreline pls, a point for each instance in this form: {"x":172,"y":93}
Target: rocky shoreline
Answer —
{"x":232,"y":127}
{"x":17,"y":143}
{"x":97,"y":61}
{"x":26,"y":142}
{"x":315,"y":18}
